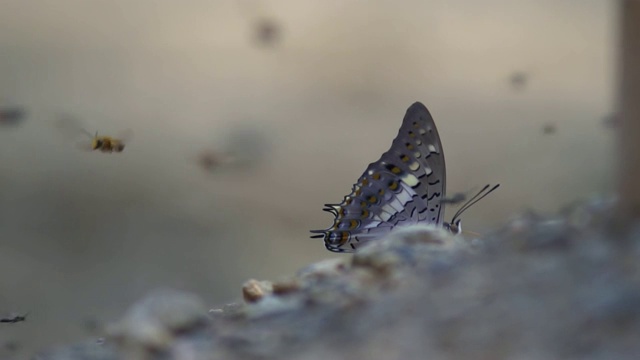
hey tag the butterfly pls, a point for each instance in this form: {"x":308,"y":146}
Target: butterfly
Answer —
{"x":407,"y":185}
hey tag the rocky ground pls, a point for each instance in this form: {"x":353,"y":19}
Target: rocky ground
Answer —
{"x":539,"y":288}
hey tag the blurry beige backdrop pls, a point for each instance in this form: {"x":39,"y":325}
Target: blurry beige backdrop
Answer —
{"x":84,"y":234}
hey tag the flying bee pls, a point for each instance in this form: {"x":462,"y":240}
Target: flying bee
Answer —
{"x":102,"y":143}
{"x":107,"y":144}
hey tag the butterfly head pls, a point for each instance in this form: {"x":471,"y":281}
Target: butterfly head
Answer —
{"x":334,"y":241}
{"x":455,"y":227}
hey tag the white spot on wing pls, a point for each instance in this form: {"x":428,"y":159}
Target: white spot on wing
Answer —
{"x":387,"y":213}
{"x":372,"y":224}
{"x":404,"y":197}
{"x":410,"y":180}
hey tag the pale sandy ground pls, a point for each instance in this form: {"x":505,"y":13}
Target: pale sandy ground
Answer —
{"x":82,"y":235}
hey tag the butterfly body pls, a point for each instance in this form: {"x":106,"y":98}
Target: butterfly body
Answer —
{"x":405,"y":186}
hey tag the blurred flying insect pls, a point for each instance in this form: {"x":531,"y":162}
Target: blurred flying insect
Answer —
{"x":518,"y":80}
{"x":14,"y":318}
{"x":611,"y":121}
{"x":549,"y":129}
{"x":242,"y":146}
{"x":267,"y":31}
{"x":108,"y":144}
{"x":211,"y":160}
{"x":11,"y":116}
{"x":102,"y":143}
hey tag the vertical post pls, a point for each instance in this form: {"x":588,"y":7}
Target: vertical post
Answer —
{"x":628,"y":156}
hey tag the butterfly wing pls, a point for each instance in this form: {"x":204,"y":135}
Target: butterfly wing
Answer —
{"x":404,"y":187}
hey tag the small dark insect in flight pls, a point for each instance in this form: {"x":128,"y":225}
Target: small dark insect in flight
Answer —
{"x":211,"y":160}
{"x":455,"y":199}
{"x":549,"y":129}
{"x":11,"y":116}
{"x":13,"y":318}
{"x":267,"y":32}
{"x":244,"y":146}
{"x":102,"y":143}
{"x":107,"y":144}
{"x":611,"y":121}
{"x":518,"y":80}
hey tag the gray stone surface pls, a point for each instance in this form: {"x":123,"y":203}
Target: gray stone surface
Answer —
{"x":539,"y":288}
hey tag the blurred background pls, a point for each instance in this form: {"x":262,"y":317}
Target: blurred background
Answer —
{"x":306,"y":94}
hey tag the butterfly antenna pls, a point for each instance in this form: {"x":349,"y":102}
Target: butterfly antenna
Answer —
{"x":477,"y":197}
{"x":320,"y":234}
{"x":465,"y":205}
